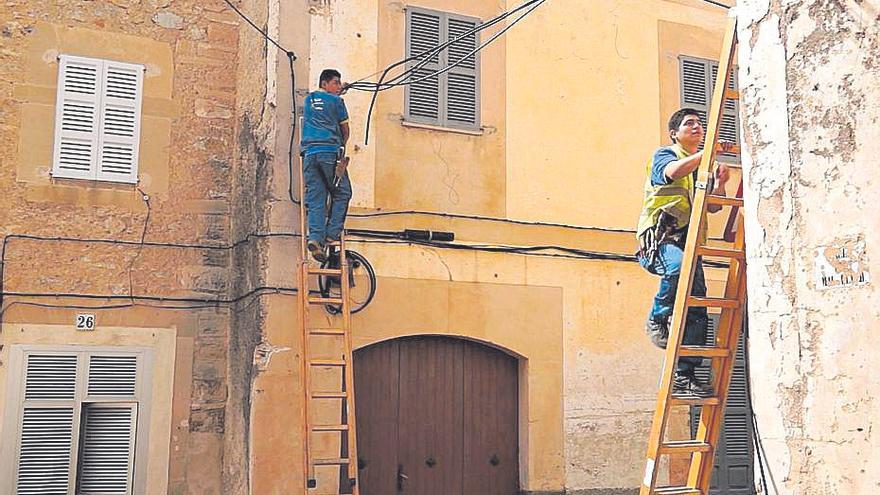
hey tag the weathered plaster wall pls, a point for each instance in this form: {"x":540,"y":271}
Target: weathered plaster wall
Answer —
{"x":810,"y":71}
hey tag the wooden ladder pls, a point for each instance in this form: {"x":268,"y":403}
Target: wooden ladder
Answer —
{"x":703,"y":446}
{"x":340,"y":359}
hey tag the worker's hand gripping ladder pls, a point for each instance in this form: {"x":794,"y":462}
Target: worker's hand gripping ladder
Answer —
{"x":723,"y":353}
{"x":320,"y":401}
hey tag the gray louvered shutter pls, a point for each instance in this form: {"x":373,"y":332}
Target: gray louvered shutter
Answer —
{"x":120,"y":122}
{"x":77,"y":117}
{"x":47,"y":425}
{"x":697,"y":78}
{"x":462,"y":93}
{"x":423,"y":30}
{"x":106,"y":456}
{"x":730,"y":116}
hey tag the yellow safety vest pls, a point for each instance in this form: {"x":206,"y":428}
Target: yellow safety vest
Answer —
{"x":674,"y":198}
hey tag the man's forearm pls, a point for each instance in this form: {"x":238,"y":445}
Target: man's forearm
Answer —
{"x":679,"y":168}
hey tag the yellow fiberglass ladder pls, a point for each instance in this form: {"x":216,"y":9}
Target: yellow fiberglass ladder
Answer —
{"x":702,"y":447}
{"x":327,"y":369}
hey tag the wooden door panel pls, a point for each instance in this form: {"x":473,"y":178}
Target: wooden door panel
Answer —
{"x":430,"y":434}
{"x":490,"y":422}
{"x":376,"y":374}
{"x":440,"y":411}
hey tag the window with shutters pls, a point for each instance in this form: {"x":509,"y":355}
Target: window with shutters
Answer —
{"x":697,"y":85}
{"x":97,"y":119}
{"x":77,"y":419}
{"x":445,"y":88}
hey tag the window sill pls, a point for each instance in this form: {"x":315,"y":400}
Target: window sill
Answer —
{"x":431,"y":127}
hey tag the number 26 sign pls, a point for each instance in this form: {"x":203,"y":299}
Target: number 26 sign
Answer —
{"x":85,"y":322}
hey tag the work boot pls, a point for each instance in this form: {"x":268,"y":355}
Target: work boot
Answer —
{"x":687,"y":383}
{"x":658,"y":331}
{"x":316,"y":249}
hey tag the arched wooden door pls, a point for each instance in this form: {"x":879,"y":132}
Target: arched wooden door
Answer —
{"x":436,"y":416}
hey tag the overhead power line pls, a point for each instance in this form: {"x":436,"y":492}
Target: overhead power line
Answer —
{"x":406,"y":77}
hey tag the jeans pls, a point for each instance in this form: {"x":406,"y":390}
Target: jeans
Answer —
{"x":667,"y":264}
{"x":318,"y":173}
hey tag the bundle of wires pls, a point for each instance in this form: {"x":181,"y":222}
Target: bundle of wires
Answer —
{"x":417,"y":61}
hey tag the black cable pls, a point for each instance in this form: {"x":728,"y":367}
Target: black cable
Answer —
{"x":292,"y":129}
{"x":427,"y":55}
{"x":717,"y":4}
{"x":202,"y":302}
{"x":756,"y":435}
{"x":381,"y":85}
{"x":291,"y":57}
{"x":490,"y":219}
{"x":268,"y":38}
{"x":137,"y":256}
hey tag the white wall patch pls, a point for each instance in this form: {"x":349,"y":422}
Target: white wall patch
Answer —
{"x":843,"y":263}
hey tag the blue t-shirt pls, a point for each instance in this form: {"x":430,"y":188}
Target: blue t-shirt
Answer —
{"x":322,"y":115}
{"x":662,"y":157}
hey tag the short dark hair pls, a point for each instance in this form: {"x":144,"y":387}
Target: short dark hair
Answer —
{"x":327,"y":75}
{"x":679,"y":115}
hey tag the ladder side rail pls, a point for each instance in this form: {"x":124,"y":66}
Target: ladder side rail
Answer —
{"x":305,"y":370}
{"x":712,"y":419}
{"x":345,"y":290}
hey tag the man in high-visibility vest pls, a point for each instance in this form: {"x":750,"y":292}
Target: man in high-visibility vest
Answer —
{"x":662,"y":230}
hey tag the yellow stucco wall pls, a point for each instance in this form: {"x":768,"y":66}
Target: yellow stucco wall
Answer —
{"x":574,"y":101}
{"x":585,"y":103}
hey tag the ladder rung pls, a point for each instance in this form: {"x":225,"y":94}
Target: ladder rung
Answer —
{"x":677,"y":490}
{"x":325,"y":300}
{"x":333,"y":243}
{"x":684,"y":447}
{"x":733,"y":149}
{"x":330,"y":428}
{"x":339,"y":461}
{"x":712,"y":302}
{"x":703,"y":351}
{"x":731,"y":94}
{"x":720,"y":252}
{"x":327,"y":362}
{"x":693,"y":400}
{"x":329,"y":395}
{"x":325,"y":271}
{"x":714,"y":199}
{"x":327,"y":331}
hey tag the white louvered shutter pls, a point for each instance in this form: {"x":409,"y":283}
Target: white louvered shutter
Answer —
{"x":112,"y":376}
{"x":106,"y":457}
{"x":423,"y":97}
{"x":462,"y":81}
{"x":120,"y":114}
{"x":77,"y":117}
{"x":107,"y":438}
{"x":47,"y":422}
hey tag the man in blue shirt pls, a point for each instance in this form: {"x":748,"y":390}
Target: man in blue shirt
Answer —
{"x":324,"y":134}
{"x":662,"y":230}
